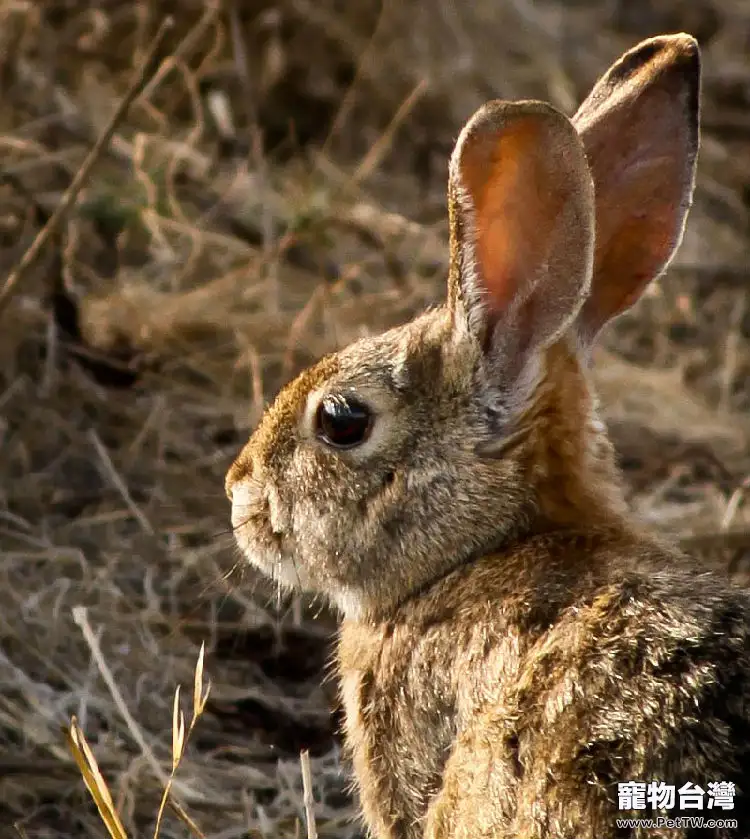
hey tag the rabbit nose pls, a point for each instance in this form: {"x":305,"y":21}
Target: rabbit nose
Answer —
{"x":242,"y":469}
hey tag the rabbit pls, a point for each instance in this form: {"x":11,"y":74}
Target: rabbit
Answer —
{"x":514,"y":644}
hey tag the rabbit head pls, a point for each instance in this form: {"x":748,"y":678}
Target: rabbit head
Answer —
{"x":403,"y":455}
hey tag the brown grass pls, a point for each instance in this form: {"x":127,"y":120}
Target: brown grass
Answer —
{"x":275,"y":191}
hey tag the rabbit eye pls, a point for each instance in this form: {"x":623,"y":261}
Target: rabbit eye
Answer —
{"x":343,"y":422}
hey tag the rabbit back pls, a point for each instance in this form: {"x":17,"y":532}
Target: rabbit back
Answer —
{"x":514,"y":697}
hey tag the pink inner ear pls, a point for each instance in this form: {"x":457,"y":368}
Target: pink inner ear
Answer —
{"x":495,"y":254}
{"x":496,"y":243}
{"x":640,"y":135}
{"x":629,"y":258}
{"x":517,"y":197}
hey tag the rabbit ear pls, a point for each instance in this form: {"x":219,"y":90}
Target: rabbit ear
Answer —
{"x":639,"y":127}
{"x":522,"y":229}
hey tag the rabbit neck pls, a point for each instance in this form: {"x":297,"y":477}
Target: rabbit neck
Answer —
{"x":568,"y":458}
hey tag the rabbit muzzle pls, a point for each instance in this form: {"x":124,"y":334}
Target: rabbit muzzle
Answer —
{"x":260,"y":524}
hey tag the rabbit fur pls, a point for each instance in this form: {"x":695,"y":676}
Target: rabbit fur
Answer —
{"x":513,"y":642}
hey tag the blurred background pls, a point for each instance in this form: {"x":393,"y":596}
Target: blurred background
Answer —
{"x":276,"y":190}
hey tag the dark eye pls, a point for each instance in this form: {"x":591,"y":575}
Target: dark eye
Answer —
{"x":343,"y":422}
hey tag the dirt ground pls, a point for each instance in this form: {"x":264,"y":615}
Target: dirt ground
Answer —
{"x":276,"y":190}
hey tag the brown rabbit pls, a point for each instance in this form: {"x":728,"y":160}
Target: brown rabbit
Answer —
{"x":513,"y":646}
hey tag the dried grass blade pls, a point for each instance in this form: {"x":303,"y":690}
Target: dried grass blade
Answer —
{"x":94,"y":780}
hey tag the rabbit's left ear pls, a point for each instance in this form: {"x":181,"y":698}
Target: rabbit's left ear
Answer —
{"x":640,"y":128}
{"x":522,"y":233}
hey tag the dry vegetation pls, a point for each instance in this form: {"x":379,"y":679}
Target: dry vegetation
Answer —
{"x":249,"y":214}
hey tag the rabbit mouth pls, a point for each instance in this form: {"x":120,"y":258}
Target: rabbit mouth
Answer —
{"x":260,"y":538}
{"x":251,"y":520}
{"x":264,"y":549}
{"x":253,"y":531}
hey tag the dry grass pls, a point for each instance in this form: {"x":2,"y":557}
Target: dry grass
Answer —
{"x":249,"y":214}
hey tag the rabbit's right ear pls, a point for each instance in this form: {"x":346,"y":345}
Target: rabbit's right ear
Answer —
{"x":522,"y":231}
{"x":640,"y":128}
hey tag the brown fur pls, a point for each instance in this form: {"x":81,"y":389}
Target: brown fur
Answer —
{"x":513,"y":644}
